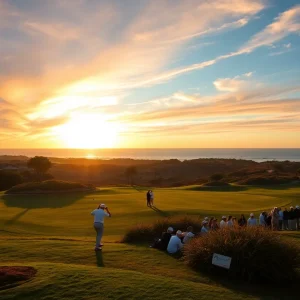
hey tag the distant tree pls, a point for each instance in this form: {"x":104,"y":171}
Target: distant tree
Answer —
{"x":130,"y":173}
{"x":9,"y":179}
{"x":216,"y":177}
{"x":40,"y":165}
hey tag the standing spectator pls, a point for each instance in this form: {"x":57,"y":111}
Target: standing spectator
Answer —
{"x":223,"y":222}
{"x":242,"y":221}
{"x":297,"y":214}
{"x":204,"y":229}
{"x":285,"y":219}
{"x":280,"y":219}
{"x":252,"y":221}
{"x":292,"y":219}
{"x":175,"y":244}
{"x":269,"y":220}
{"x":214,"y":225}
{"x":229,"y":222}
{"x":275,"y":219}
{"x":262,"y":219}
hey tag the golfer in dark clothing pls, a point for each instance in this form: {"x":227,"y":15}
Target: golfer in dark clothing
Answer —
{"x":148,"y":199}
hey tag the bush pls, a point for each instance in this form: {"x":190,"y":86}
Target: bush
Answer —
{"x":9,"y":179}
{"x":258,"y":255}
{"x":47,"y":186}
{"x":268,"y":180}
{"x":147,"y":233}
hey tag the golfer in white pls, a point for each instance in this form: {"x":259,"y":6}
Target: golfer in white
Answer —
{"x":99,"y":214}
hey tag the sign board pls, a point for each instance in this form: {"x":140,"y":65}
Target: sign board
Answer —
{"x":221,"y":261}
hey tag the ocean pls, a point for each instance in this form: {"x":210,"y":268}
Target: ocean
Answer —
{"x":255,"y":154}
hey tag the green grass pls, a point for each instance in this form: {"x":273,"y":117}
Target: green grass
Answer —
{"x":54,"y":234}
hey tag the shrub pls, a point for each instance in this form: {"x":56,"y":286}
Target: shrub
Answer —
{"x":258,"y":255}
{"x":147,"y":233}
{"x":8,"y":179}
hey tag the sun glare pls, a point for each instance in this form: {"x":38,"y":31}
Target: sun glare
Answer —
{"x":88,"y":132}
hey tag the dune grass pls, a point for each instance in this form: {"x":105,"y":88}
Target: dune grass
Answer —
{"x":54,"y":234}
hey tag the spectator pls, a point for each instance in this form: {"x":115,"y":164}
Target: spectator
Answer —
{"x":210,"y":222}
{"x":242,"y":221}
{"x":275,"y":219}
{"x":285,"y":219}
{"x":223,"y":222}
{"x":214,"y":225}
{"x":252,"y":221}
{"x":269,"y":220}
{"x":234,"y":221}
{"x":280,"y":218}
{"x":204,"y":229}
{"x":229,"y":222}
{"x":188,"y":235}
{"x":163,"y":242}
{"x":297,"y":215}
{"x":175,"y":244}
{"x":292,"y":219}
{"x":262,"y":219}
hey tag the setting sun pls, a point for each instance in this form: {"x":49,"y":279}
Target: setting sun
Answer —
{"x":88,"y":132}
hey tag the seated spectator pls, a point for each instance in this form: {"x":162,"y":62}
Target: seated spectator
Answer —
{"x":262,"y":219}
{"x":163,"y":242}
{"x":204,"y":229}
{"x":210,"y":222}
{"x":242,"y":221}
{"x":175,"y":244}
{"x":188,"y":235}
{"x":252,"y":221}
{"x":229,"y":223}
{"x":223,"y":222}
{"x":280,"y":219}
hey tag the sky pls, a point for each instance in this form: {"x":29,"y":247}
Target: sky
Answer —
{"x":149,"y":74}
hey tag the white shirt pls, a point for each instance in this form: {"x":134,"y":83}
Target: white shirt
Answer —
{"x":262,"y":220}
{"x":252,"y":222}
{"x":222,"y":224}
{"x":188,"y":236}
{"x":230,"y":223}
{"x":174,"y":245}
{"x":204,"y":230}
{"x":99,"y":215}
{"x":280,"y":213}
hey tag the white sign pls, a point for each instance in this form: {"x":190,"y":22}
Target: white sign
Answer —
{"x":221,"y":261}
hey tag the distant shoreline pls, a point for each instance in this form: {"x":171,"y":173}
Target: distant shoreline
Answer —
{"x":254,"y":154}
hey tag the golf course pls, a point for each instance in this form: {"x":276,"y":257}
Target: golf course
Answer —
{"x":54,"y":234}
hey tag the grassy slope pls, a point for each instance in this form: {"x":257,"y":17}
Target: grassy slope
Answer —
{"x":69,"y":268}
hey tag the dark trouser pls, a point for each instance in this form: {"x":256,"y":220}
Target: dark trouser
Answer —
{"x":286,"y":224}
{"x":99,"y":229}
{"x":280,"y":224}
{"x":298,"y":223}
{"x":148,"y":202}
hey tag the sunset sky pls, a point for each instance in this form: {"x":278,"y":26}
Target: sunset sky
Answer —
{"x":153,"y":74}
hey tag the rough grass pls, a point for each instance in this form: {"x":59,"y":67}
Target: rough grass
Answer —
{"x":146,"y":233}
{"x":258,"y":255}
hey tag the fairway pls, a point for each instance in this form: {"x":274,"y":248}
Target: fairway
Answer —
{"x":54,"y":234}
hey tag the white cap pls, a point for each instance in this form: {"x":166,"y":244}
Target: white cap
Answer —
{"x":170,"y":229}
{"x":206,"y":218}
{"x":297,"y":206}
{"x":204,"y":222}
{"x":252,"y":215}
{"x":102,"y":205}
{"x":223,"y":217}
{"x":292,"y":207}
{"x":178,"y":232}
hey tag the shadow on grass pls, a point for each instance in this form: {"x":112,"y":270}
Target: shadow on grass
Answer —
{"x":229,"y":188}
{"x":41,"y":201}
{"x":16,"y":217}
{"x":99,"y":258}
{"x":162,"y":213}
